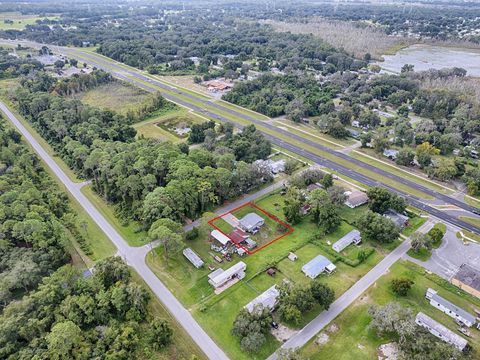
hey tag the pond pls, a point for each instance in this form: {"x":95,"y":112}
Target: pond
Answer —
{"x":425,"y":57}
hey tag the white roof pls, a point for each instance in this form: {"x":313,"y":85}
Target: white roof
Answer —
{"x":193,"y":257}
{"x":218,"y":278}
{"x":316,"y":266}
{"x":441,"y":331}
{"x":220,"y":237}
{"x":266,"y":300}
{"x":346,"y":240}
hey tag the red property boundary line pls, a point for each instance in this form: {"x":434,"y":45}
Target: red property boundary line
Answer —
{"x":290,"y":229}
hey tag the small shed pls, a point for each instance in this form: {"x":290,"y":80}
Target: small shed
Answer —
{"x":220,"y":237}
{"x":271,"y":272}
{"x":292,"y":256}
{"x":193,"y":258}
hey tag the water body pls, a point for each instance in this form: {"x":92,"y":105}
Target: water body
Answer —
{"x":425,"y":57}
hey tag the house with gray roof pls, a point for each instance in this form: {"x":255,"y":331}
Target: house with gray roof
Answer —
{"x":251,"y":222}
{"x":220,"y":278}
{"x":398,"y":219}
{"x":449,"y":308}
{"x":390,"y":153}
{"x":318,"y":265}
{"x":440,"y":331}
{"x":266,"y":300}
{"x":353,"y":237}
{"x":355,"y":198}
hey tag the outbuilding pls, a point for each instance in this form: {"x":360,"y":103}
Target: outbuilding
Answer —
{"x":193,"y":258}
{"x":220,"y":237}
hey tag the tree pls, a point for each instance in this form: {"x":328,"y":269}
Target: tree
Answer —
{"x":407,"y":68}
{"x":436,"y":235}
{"x":324,"y":211}
{"x":251,"y":328}
{"x":401,"y":286}
{"x":327,"y":181}
{"x":403,"y":110}
{"x":169,"y":240}
{"x":420,"y":241}
{"x":65,"y":341}
{"x":111,"y":270}
{"x":294,"y":200}
{"x":160,"y":333}
{"x":405,"y":157}
{"x":376,"y":227}
{"x":379,"y":199}
{"x":425,"y":151}
{"x":337,"y":195}
{"x":323,"y":294}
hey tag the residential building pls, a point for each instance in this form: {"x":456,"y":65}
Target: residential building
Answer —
{"x":354,"y":133}
{"x":355,"y":198}
{"x":353,"y":237}
{"x":251,"y":222}
{"x":221,"y":277}
{"x":220,"y":237}
{"x":266,"y":300}
{"x":193,"y":258}
{"x":274,"y":167}
{"x":449,"y":308}
{"x":467,"y":278}
{"x":440,"y":331}
{"x":318,"y":265}
{"x":390,"y":153}
{"x":314,"y":186}
{"x":399,"y":219}
{"x":238,"y":236}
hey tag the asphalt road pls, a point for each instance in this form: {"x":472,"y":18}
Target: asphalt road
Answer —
{"x":348,"y":297}
{"x":141,"y":79}
{"x":135,"y":257}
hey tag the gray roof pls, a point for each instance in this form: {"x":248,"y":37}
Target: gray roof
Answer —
{"x":390,"y":152}
{"x":316,"y":266}
{"x":251,"y":220}
{"x":357,"y":198}
{"x":346,"y":240}
{"x":193,"y":257}
{"x":266,"y":300}
{"x":454,"y":308}
{"x":441,"y":331}
{"x":469,"y":276}
{"x":397,"y":218}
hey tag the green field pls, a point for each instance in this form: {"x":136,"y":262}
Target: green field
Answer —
{"x":216,"y":313}
{"x":20,"y":21}
{"x":355,"y":341}
{"x":159,"y":127}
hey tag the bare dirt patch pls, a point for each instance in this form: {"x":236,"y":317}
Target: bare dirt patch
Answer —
{"x":388,"y":351}
{"x":283,"y":333}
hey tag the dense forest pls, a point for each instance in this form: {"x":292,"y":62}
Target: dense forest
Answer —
{"x":12,"y":66}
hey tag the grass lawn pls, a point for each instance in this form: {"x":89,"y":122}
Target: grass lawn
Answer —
{"x":422,"y":255}
{"x":115,"y":96}
{"x":243,"y":110}
{"x":130,"y":232}
{"x":413,"y":224}
{"x":162,"y":126}
{"x":20,"y":21}
{"x":472,"y":201}
{"x":471,"y":220}
{"x":469,"y":235}
{"x":216,"y":313}
{"x":355,"y":341}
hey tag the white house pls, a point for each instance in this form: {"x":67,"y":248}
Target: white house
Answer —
{"x":221,"y":277}
{"x":251,"y":222}
{"x":318,"y":265}
{"x":450,"y":309}
{"x":266,"y":300}
{"x":440,"y":331}
{"x":353,"y":237}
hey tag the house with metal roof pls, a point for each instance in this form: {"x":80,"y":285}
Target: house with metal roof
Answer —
{"x":221,"y":277}
{"x":266,"y":300}
{"x":318,"y":265}
{"x":251,"y":222}
{"x":449,"y":308}
{"x":440,"y":331}
{"x":390,"y":153}
{"x":467,"y":278}
{"x":193,"y":258}
{"x":398,"y":219}
{"x":353,"y":237}
{"x":355,"y":198}
{"x":220,"y":237}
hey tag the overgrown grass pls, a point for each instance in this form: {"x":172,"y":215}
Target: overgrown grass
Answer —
{"x":20,"y":21}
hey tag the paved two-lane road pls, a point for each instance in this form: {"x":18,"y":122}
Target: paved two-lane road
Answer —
{"x":135,"y":257}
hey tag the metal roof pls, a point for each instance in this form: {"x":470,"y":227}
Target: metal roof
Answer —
{"x":251,"y":220}
{"x":217,"y":278}
{"x":316,"y":266}
{"x":452,"y":307}
{"x":193,"y":257}
{"x":441,"y":331}
{"x":346,"y":240}
{"x":267,"y":299}
{"x":220,"y":237}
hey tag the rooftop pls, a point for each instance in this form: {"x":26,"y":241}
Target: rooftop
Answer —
{"x":220,"y":276}
{"x":316,"y":266}
{"x":346,"y":240}
{"x":193,"y":257}
{"x":267,"y":299}
{"x":452,"y":307}
{"x":357,"y":198}
{"x":251,"y":220}
{"x":220,"y":237}
{"x":468,"y":275}
{"x":445,"y":334}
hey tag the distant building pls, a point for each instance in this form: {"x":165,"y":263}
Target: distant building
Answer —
{"x":314,"y":186}
{"x":450,"y":309}
{"x":274,"y":167}
{"x":353,"y":237}
{"x":221,"y":277}
{"x":390,"y":153}
{"x":220,"y":237}
{"x":441,"y":332}
{"x":467,"y":278}
{"x":354,"y":133}
{"x":399,"y":219}
{"x":318,"y":265}
{"x":356,"y":123}
{"x":266,"y":300}
{"x":193,"y":258}
{"x":217,"y":85}
{"x":251,"y":222}
{"x":355,"y":198}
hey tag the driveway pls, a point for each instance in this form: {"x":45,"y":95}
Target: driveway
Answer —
{"x":446,"y":260}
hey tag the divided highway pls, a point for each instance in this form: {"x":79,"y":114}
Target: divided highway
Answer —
{"x":147,"y":83}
